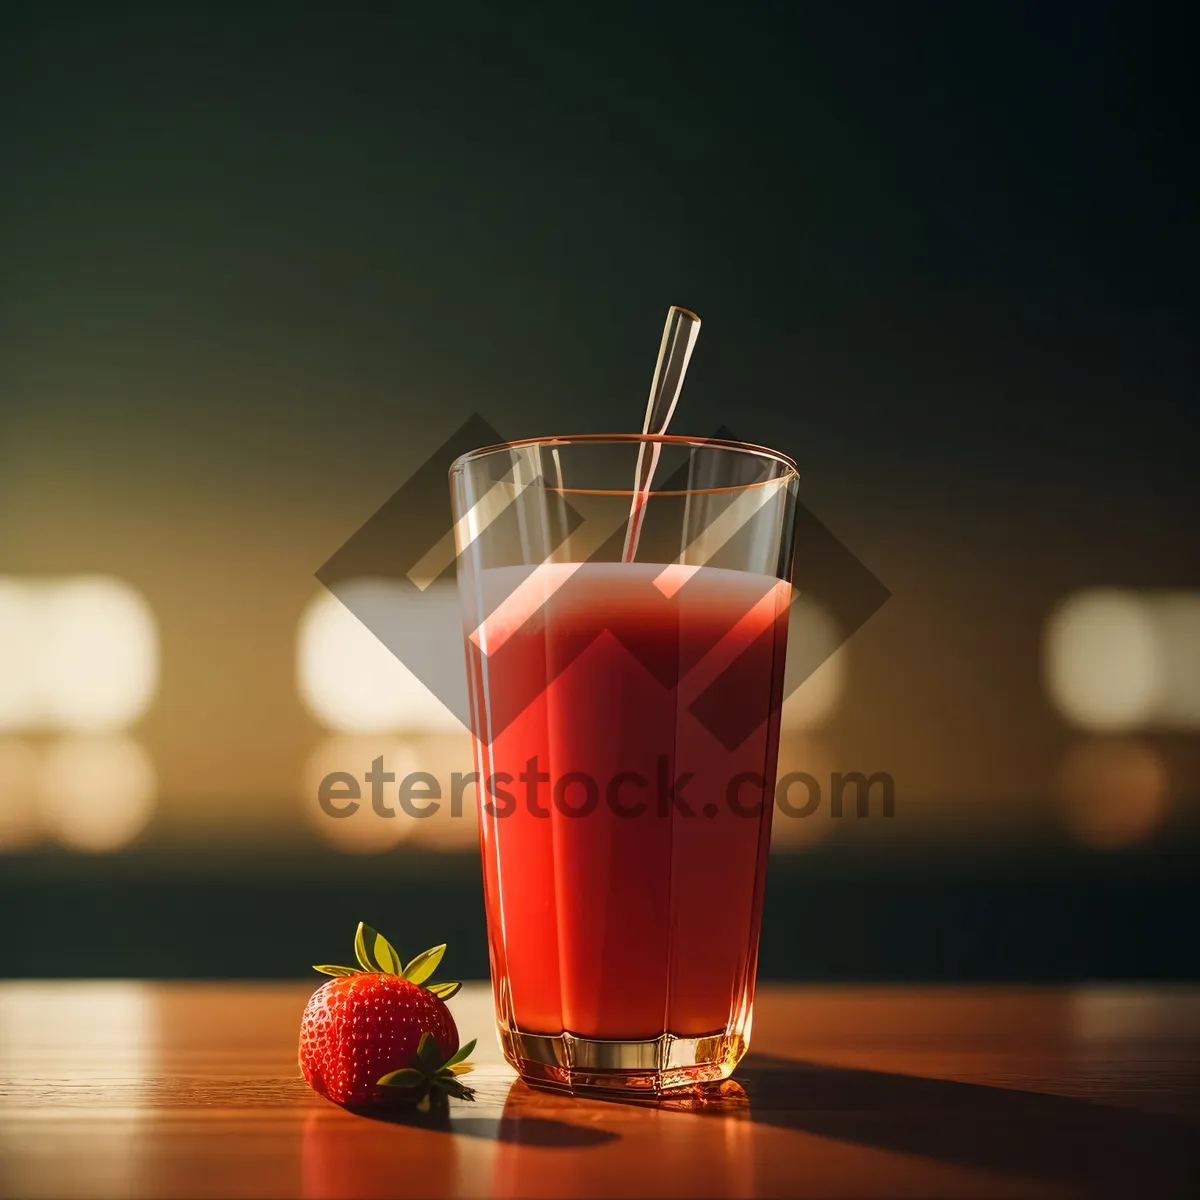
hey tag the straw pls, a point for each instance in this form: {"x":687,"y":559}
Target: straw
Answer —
{"x":678,"y":341}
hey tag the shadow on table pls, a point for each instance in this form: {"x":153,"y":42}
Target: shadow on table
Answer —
{"x":516,"y":1129}
{"x":362,"y":1155}
{"x":1048,"y":1137}
{"x":534,"y":1131}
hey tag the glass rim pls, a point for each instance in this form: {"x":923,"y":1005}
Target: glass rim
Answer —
{"x":750,"y":449}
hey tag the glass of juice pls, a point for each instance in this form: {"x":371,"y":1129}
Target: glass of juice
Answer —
{"x":625,"y":695}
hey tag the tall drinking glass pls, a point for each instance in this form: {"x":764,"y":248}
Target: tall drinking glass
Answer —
{"x":625,"y":709}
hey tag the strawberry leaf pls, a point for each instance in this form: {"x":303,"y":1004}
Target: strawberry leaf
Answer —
{"x":407,"y":1078}
{"x":443,"y":991}
{"x":453,"y":1088}
{"x":360,"y":946}
{"x":426,"y":1079}
{"x":386,"y":956}
{"x":429,"y":1055}
{"x":424,"y":965}
{"x":327,"y":969}
{"x":461,"y":1053}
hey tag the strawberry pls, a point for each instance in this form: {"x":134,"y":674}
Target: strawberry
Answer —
{"x":382,"y":1035}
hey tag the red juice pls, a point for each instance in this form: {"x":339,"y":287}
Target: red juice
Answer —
{"x":625,"y":850}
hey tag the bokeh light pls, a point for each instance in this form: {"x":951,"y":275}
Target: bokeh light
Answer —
{"x":348,"y":679}
{"x":1177,"y":627}
{"x":20,"y":823}
{"x":1113,"y":792}
{"x":442,"y":756}
{"x":96,"y":792}
{"x":1102,"y":660}
{"x":20,"y":629}
{"x":1119,"y":660}
{"x":364,"y":831}
{"x":99,"y":663}
{"x":78,"y":654}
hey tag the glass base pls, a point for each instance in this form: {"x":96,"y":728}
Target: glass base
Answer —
{"x":572,"y":1063}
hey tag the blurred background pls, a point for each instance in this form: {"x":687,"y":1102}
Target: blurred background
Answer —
{"x":259,"y":263}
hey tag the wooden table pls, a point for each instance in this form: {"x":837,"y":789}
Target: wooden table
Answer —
{"x":136,"y":1089}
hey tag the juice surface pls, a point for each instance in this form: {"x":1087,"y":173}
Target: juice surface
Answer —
{"x":624,"y":890}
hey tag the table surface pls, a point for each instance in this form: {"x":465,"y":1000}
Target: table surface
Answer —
{"x":192,"y":1090}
